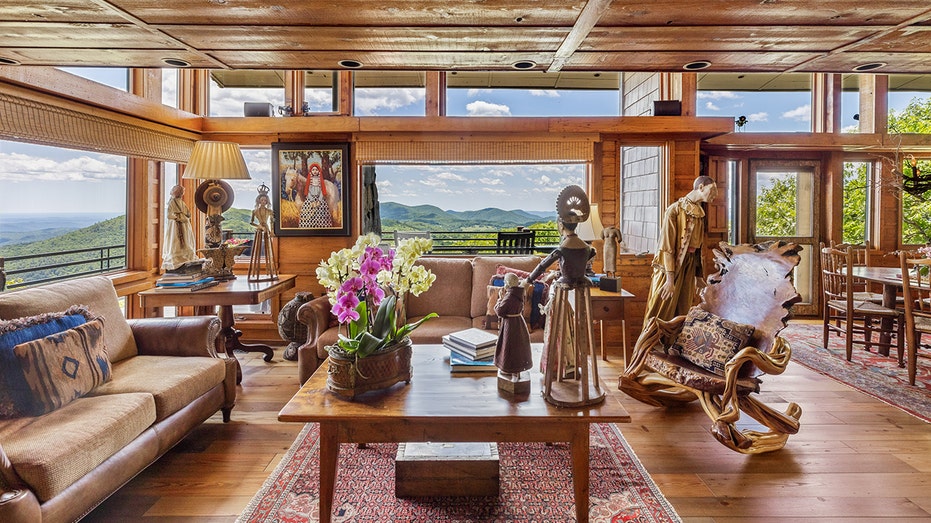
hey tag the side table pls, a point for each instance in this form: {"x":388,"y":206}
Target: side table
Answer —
{"x":239,"y":291}
{"x":609,"y":306}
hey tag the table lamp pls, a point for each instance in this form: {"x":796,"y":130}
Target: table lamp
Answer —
{"x":590,"y":230}
{"x":214,"y":162}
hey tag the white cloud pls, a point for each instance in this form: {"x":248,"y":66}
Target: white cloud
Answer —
{"x":548,"y":93}
{"x":452,"y":177}
{"x":380,"y":101}
{"x":490,"y":181}
{"x":18,"y":167}
{"x":480,"y":108}
{"x":230,"y":101}
{"x":717,"y":95}
{"x":758,"y":117}
{"x":799,"y":114}
{"x":711,"y":107}
{"x":472,"y":93}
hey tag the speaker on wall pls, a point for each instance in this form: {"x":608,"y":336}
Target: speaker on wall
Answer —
{"x":667,"y":108}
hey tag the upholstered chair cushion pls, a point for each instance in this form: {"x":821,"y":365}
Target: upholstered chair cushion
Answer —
{"x":709,"y":341}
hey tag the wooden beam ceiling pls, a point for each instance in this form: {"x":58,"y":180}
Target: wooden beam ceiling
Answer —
{"x":772,"y":36}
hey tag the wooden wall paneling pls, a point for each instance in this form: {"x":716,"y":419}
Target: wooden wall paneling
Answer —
{"x":344,"y":94}
{"x":717,"y":210}
{"x":436,"y":93}
{"x":887,"y":210}
{"x":874,"y":104}
{"x":826,"y":103}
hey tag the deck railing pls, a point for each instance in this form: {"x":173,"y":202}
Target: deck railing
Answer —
{"x":35,"y":269}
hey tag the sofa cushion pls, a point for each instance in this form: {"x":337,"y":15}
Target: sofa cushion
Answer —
{"x":484,"y":267}
{"x":53,"y":451}
{"x":45,"y":374}
{"x":173,"y":381}
{"x":96,"y":292}
{"x":449,"y":294}
{"x":21,"y":330}
{"x":709,"y":341}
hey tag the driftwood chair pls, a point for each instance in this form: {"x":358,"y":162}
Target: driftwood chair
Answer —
{"x":717,"y":352}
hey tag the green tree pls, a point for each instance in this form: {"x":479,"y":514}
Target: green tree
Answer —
{"x":854,"y":219}
{"x":916,"y":206}
{"x":776,"y":214}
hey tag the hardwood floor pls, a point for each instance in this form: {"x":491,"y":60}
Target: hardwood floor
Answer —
{"x":855,"y":458}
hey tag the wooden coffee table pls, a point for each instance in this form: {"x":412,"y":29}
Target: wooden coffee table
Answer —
{"x":440,"y":406}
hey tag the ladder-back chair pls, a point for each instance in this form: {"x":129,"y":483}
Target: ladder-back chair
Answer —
{"x":717,"y":352}
{"x":515,"y":242}
{"x":916,"y":294}
{"x":852,"y":314}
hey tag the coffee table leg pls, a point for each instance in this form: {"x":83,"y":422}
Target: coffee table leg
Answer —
{"x":580,"y":454}
{"x":329,"y":456}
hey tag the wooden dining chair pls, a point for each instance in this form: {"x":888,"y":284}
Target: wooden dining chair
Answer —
{"x":860,"y":257}
{"x":852,"y":314}
{"x":916,"y":294}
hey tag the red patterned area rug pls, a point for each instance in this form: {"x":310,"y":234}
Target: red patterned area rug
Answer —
{"x":876,"y":375}
{"x":536,"y":486}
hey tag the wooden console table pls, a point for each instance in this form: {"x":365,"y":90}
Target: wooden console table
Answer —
{"x":609,"y":306}
{"x":432,"y":408}
{"x":228,"y":293}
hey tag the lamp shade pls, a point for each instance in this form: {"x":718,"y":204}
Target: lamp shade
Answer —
{"x":591,"y":228}
{"x":216,"y":161}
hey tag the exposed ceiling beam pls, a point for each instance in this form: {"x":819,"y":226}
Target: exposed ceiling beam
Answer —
{"x":588,"y":18}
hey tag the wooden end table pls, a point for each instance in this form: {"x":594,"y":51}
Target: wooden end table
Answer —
{"x":444,"y":407}
{"x":239,"y":291}
{"x":609,"y":306}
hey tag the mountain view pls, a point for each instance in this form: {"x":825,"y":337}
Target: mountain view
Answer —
{"x":25,"y":235}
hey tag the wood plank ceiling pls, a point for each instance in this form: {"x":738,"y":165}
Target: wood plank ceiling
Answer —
{"x":775,"y":36}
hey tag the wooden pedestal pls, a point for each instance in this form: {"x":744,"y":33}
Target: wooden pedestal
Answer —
{"x":446,"y":469}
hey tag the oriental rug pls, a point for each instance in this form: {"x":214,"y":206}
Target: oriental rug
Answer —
{"x":535,"y":486}
{"x":874,"y":374}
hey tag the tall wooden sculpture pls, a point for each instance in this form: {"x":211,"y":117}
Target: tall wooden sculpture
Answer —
{"x":570,"y":371}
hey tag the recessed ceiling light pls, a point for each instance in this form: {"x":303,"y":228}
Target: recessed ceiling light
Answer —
{"x":862,"y":68}
{"x":8,"y":61}
{"x":176,"y":62}
{"x":697,"y":65}
{"x":524,"y":65}
{"x":350,"y":64}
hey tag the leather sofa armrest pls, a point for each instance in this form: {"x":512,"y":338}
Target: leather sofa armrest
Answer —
{"x":179,"y":336}
{"x":315,"y":314}
{"x":17,"y":502}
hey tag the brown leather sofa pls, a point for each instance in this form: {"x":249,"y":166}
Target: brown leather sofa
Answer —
{"x":167,"y":378}
{"x":459,"y":296}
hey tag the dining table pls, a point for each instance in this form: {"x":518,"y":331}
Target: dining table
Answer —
{"x":891,"y":280}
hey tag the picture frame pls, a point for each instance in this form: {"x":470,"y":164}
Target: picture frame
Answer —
{"x":312,"y":187}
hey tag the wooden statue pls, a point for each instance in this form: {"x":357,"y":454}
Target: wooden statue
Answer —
{"x":263,"y":221}
{"x":513,"y":356}
{"x":570,"y":371}
{"x":753,"y":287}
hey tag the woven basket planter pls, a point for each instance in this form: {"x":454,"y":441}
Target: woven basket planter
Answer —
{"x":348,"y":377}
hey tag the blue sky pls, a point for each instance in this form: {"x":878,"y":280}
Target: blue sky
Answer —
{"x":45,"y":179}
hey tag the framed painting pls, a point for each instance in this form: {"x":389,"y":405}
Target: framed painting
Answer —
{"x":312,"y":189}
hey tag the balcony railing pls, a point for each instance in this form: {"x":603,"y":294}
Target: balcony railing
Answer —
{"x":35,"y":269}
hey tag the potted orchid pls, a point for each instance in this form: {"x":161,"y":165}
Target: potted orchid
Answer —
{"x":365,"y":284}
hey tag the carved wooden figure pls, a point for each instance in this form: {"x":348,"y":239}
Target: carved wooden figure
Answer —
{"x":752,"y":287}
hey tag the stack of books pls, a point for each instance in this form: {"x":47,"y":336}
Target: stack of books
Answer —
{"x":177,"y":282}
{"x":471,"y":350}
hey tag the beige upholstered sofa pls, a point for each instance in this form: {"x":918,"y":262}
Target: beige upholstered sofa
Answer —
{"x":459,"y":296}
{"x":165,"y":378}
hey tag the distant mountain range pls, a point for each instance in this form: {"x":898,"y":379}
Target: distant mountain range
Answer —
{"x":432,"y":218}
{"x":28,"y":234}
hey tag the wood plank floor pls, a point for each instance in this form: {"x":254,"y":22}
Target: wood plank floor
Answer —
{"x":855,"y":458}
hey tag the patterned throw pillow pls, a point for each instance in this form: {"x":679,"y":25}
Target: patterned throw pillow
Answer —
{"x":709,"y":341}
{"x":47,"y":373}
{"x":20,"y":330}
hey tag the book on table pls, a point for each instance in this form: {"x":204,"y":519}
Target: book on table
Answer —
{"x":203,"y":283}
{"x":475,"y":353}
{"x":171,"y":277}
{"x":460,"y":363}
{"x":474,"y":337}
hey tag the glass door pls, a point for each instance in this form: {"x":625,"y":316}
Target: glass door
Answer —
{"x":784,"y":206}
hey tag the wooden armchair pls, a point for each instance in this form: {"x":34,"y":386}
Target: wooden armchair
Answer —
{"x":752,"y":288}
